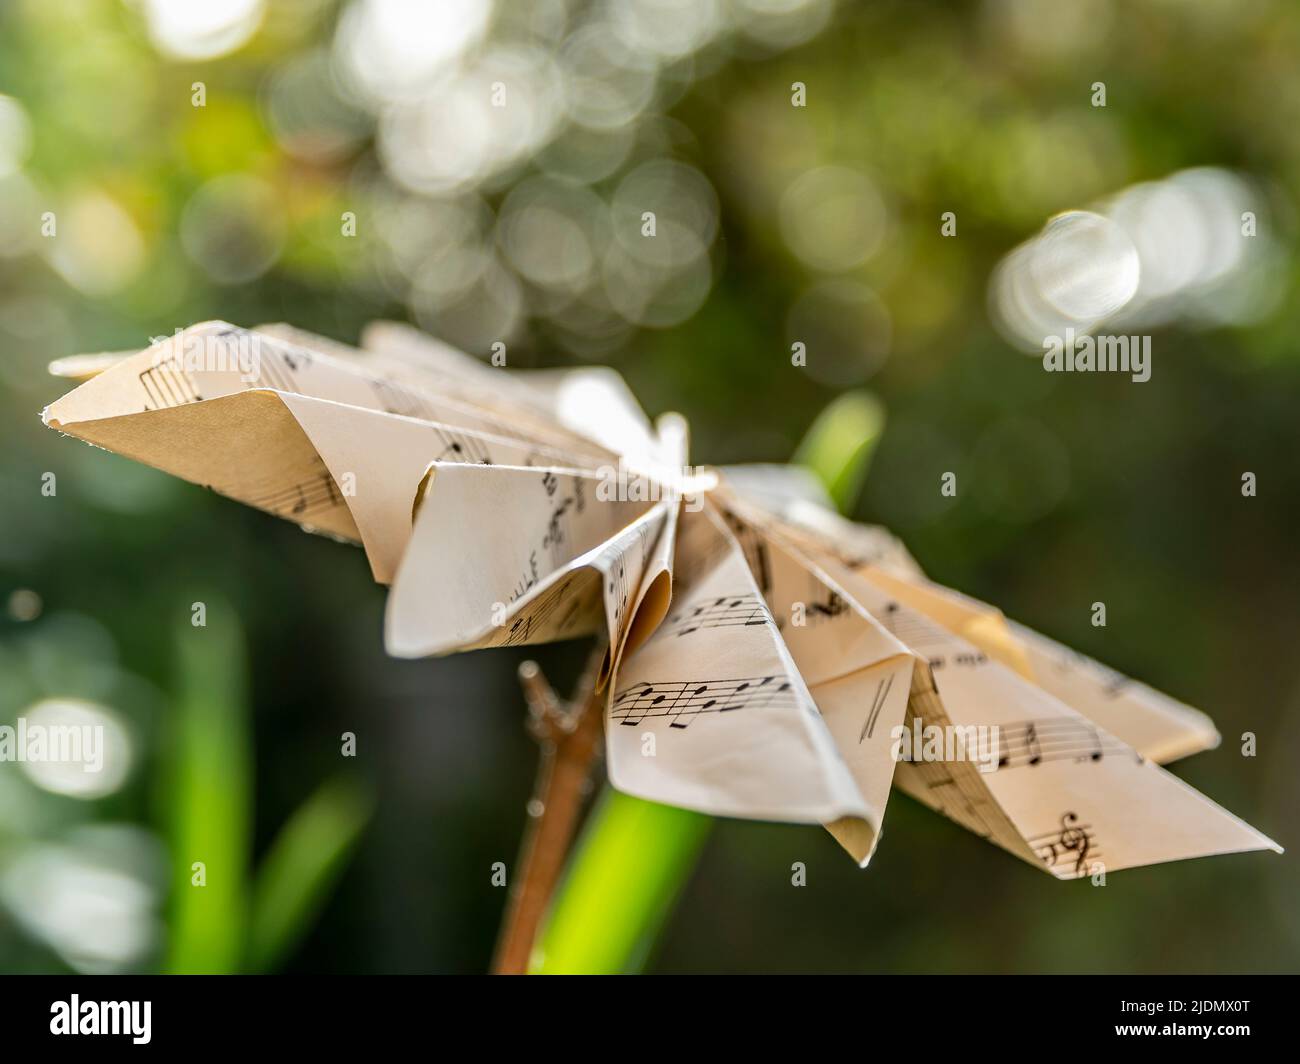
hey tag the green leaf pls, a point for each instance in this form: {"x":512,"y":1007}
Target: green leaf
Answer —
{"x":630,"y":864}
{"x":209,"y":797}
{"x":303,"y":864}
{"x":839,"y":445}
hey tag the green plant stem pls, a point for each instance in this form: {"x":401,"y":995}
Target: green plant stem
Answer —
{"x":630,"y":865}
{"x":209,"y":801}
{"x":304,"y":861}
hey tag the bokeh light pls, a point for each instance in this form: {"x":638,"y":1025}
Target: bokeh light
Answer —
{"x":93,"y":898}
{"x":1156,"y":252}
{"x":233,"y":228}
{"x":185,"y":30}
{"x":100,"y":249}
{"x":393,"y":50}
{"x":833,"y":218}
{"x":15,"y":135}
{"x":97,"y":744}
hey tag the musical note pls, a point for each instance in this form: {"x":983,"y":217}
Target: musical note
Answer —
{"x":557,"y":528}
{"x":834,"y":606}
{"x":1075,"y":839}
{"x":966,"y":659}
{"x":617,"y":589}
{"x":724,"y":611}
{"x":1034,"y":743}
{"x":1069,"y":844}
{"x":915,"y":629}
{"x":556,"y":613}
{"x":278,"y":366}
{"x":462,"y":448}
{"x":319,"y":493}
{"x":680,"y":699}
{"x":529,"y":579}
{"x":954,"y":788}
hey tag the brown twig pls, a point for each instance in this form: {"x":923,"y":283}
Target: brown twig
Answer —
{"x":568,"y":736}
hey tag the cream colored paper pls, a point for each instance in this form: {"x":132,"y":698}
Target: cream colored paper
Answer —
{"x":1154,"y":724}
{"x":350,"y":471}
{"x":712,"y":714}
{"x":858,"y":674}
{"x":764,"y":653}
{"x":643,"y":603}
{"x":591,"y":403}
{"x":213,"y":359}
{"x":1083,"y":801}
{"x":815,"y":529}
{"x":1060,"y":791}
{"x":501,"y":555}
{"x":1157,"y":726}
{"x":463,"y":389}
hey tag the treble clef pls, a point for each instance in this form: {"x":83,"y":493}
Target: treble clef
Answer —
{"x":1074,"y":839}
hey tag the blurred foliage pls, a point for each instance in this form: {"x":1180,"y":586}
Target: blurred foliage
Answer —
{"x":627,"y":870}
{"x":209,"y":801}
{"x":221,"y":920}
{"x":838,"y":446}
{"x":304,"y":861}
{"x":1072,"y":490}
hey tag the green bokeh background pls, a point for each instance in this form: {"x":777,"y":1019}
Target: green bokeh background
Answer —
{"x":1072,"y":489}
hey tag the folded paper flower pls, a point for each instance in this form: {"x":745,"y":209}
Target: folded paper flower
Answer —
{"x":766,"y":658}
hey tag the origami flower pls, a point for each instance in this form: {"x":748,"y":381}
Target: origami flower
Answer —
{"x":766,"y":658}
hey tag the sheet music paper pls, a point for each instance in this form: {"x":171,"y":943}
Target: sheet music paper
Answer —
{"x":814,"y":528}
{"x":415,"y":363}
{"x":857,"y":672}
{"x":320,"y":449}
{"x":1154,"y":724}
{"x":643,"y":602}
{"x":765,"y":656}
{"x":1080,"y":798}
{"x":958,"y":685}
{"x":590,"y":402}
{"x":712,"y":714}
{"x":471,"y":579}
{"x":1159,"y":727}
